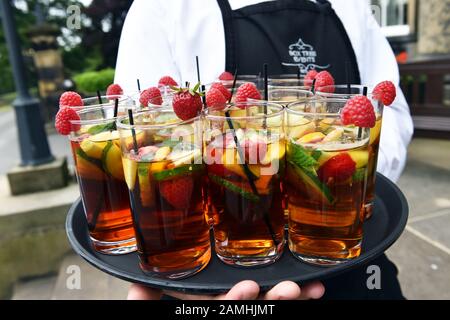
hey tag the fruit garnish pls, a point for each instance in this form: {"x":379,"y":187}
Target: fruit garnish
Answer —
{"x":315,"y":187}
{"x":130,"y":172}
{"x":385,"y":92}
{"x":359,"y":111}
{"x":177,"y":192}
{"x":361,"y":158}
{"x":249,"y":195}
{"x":114,"y":90}
{"x":151,"y":96}
{"x":314,"y":137}
{"x":247,"y":91}
{"x":275,"y":152}
{"x":187,"y":103}
{"x":298,"y":156}
{"x":146,"y":190}
{"x":63,"y":121}
{"x":168,"y":174}
{"x":218,"y":86}
{"x":324,"y":82}
{"x":339,"y":168}
{"x":310,"y":76}
{"x":167,"y":81}
{"x":70,"y":99}
{"x":161,"y":154}
{"x":298,"y":132}
{"x":375,"y":132}
{"x":112,"y":160}
{"x":92,"y":149}
{"x":101,"y":128}
{"x":226,"y":76}
{"x":88,"y":167}
{"x":215,"y":99}
{"x":334,"y":135}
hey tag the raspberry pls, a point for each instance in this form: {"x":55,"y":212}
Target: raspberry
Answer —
{"x":63,"y":121}
{"x":215,"y":99}
{"x":310,"y":76}
{"x":359,"y":111}
{"x":70,"y":99}
{"x":225,"y":92}
{"x":187,"y":104}
{"x":226,"y":76}
{"x":114,"y":90}
{"x":339,"y":168}
{"x":151,"y":96}
{"x":385,"y":92}
{"x":167,"y":81}
{"x":247,"y":91}
{"x":324,"y":79}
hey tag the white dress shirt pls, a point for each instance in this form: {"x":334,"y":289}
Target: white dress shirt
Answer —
{"x":162,"y":37}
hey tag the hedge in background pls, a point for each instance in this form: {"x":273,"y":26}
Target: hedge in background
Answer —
{"x":91,"y":82}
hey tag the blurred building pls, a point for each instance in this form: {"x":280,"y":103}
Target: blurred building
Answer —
{"x":419,"y":32}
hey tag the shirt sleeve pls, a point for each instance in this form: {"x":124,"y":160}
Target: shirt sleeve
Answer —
{"x":145,"y":52}
{"x":377,"y":63}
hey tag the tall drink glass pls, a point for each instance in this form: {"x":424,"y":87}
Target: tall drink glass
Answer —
{"x":98,"y":163}
{"x":162,"y":160}
{"x":342,"y":91}
{"x":244,"y":154}
{"x":326,"y":173}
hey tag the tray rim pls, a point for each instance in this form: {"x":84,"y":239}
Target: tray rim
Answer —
{"x":207,"y":288}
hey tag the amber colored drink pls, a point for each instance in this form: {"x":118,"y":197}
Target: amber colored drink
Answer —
{"x":245,"y":193}
{"x":165,"y":180}
{"x":325,"y":179}
{"x":104,"y":192}
{"x":374,"y":146}
{"x":173,"y":235}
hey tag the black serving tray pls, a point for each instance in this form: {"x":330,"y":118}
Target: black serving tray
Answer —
{"x":380,"y":232}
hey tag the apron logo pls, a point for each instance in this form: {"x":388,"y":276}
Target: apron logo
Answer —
{"x":304,"y":57}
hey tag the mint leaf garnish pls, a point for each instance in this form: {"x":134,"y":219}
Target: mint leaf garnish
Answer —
{"x":299,"y":157}
{"x":102,"y":128}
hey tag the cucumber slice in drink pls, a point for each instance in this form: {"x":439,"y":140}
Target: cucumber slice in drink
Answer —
{"x":112,"y":161}
{"x":311,"y":180}
{"x":176,"y":172}
{"x":234,"y":188}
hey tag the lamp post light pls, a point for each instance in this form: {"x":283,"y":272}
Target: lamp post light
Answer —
{"x":34,"y":147}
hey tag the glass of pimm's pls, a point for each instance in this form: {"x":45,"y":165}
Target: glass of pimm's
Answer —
{"x":326,"y":173}
{"x":98,"y":162}
{"x":162,"y":161}
{"x":244,"y":152}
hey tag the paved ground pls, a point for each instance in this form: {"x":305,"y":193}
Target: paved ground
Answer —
{"x":422,"y":254}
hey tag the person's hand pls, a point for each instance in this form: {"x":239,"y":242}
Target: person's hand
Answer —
{"x":245,"y":290}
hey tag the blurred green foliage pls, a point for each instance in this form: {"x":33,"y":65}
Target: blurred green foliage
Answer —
{"x":93,"y":81}
{"x":91,"y":48}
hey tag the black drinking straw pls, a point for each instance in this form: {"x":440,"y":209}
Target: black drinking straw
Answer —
{"x":203,"y":88}
{"x":116,"y":108}
{"x":133,"y":132}
{"x":138,"y":85}
{"x":99,"y":96}
{"x":313,"y":87}
{"x":299,"y":77}
{"x":250,"y":176}
{"x":198,"y":69}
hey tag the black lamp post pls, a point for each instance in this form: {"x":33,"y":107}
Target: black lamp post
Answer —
{"x":34,"y":147}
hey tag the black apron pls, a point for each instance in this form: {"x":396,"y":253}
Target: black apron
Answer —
{"x":290,"y":36}
{"x":300,"y":35}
